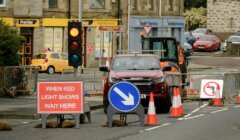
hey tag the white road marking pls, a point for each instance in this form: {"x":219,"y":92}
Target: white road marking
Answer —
{"x":237,"y":106}
{"x":194,"y":117}
{"x":219,"y":110}
{"x":166,"y":124}
{"x":25,"y":122}
{"x":194,"y":111}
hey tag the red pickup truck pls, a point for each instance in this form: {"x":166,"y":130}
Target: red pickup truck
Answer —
{"x":145,"y":72}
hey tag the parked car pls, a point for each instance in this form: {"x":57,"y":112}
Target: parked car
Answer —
{"x":145,"y":72}
{"x":207,"y":43}
{"x":50,"y":62}
{"x":234,"y":39}
{"x":189,"y":38}
{"x":188,"y":51}
{"x":201,"y":31}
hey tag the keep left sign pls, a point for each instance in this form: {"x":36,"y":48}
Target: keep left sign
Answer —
{"x":60,"y":97}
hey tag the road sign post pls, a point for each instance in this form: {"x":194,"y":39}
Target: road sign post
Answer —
{"x":124,"y":97}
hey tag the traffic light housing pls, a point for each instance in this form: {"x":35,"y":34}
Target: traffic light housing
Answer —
{"x":74,"y":44}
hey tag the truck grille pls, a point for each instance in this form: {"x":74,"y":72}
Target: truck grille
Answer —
{"x":143,"y":84}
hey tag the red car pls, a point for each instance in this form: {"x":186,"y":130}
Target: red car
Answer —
{"x":207,"y":43}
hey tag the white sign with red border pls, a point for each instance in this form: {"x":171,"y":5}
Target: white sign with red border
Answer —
{"x":147,"y":29}
{"x":209,"y":88}
{"x":60,"y":97}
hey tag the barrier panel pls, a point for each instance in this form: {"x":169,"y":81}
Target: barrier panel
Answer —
{"x":20,"y":79}
{"x":191,"y":85}
{"x":90,"y":76}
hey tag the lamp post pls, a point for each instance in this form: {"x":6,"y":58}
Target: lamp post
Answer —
{"x":129,"y":8}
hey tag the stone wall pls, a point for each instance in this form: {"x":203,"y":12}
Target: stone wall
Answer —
{"x":223,"y":16}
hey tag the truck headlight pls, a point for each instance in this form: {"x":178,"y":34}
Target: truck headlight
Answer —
{"x":160,"y":79}
{"x":112,"y":80}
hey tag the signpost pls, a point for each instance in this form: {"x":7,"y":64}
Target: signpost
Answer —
{"x":60,"y":98}
{"x":124,"y":97}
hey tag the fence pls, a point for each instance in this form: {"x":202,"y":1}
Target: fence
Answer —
{"x":90,"y":76}
{"x":20,"y":80}
{"x":192,"y":83}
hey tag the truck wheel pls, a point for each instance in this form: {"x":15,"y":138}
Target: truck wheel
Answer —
{"x":105,"y":103}
{"x":165,"y":106}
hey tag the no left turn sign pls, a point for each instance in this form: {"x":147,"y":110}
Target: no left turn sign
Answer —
{"x":209,"y":88}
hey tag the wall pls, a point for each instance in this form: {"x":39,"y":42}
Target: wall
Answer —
{"x":223,"y":16}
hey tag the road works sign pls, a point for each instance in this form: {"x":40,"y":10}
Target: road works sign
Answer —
{"x":60,"y":97}
{"x":209,"y":88}
{"x":124,"y":96}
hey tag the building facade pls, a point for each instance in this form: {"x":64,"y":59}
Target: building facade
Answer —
{"x":223,"y":16}
{"x":44,"y":23}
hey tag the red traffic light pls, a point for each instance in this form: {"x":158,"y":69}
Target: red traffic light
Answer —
{"x":74,"y":45}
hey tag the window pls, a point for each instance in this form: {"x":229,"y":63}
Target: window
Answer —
{"x":55,"y":56}
{"x":150,"y":5}
{"x":134,"y":4}
{"x":170,"y":5}
{"x":2,"y":3}
{"x":64,"y":56}
{"x":97,"y":4}
{"x":52,"y":3}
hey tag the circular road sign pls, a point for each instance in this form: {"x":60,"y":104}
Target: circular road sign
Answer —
{"x":124,"y":96}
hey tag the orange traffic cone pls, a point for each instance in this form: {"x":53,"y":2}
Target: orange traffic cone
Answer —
{"x":179,"y":101}
{"x":217,"y":99}
{"x":238,"y":100}
{"x":151,"y":117}
{"x":175,"y":112}
{"x":191,"y":86}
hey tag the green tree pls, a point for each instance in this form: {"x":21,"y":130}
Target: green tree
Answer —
{"x":195,"y":18}
{"x":188,"y":4}
{"x":10,"y":44}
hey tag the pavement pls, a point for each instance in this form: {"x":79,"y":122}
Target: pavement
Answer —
{"x":25,"y":107}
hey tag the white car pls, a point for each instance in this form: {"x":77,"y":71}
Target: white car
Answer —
{"x":234,"y":39}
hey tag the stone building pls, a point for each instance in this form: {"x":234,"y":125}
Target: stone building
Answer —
{"x":44,"y":23}
{"x":223,"y":17}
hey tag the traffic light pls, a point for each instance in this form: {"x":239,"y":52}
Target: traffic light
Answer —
{"x":74,"y":44}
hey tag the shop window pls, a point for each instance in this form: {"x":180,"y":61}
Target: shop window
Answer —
{"x":52,"y":3}
{"x":97,"y":4}
{"x":2,"y":3}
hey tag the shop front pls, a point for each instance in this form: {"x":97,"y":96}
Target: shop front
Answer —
{"x":160,"y":27}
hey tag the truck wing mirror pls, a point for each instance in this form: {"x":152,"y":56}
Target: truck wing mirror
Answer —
{"x":104,"y":68}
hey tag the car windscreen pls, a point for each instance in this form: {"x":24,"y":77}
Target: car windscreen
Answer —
{"x":234,"y":39}
{"x":40,"y":56}
{"x":205,"y":38}
{"x":136,"y":63}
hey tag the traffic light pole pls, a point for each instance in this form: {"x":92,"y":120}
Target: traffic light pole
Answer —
{"x":80,"y":20}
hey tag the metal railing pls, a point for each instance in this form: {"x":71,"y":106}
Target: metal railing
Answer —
{"x":21,"y":79}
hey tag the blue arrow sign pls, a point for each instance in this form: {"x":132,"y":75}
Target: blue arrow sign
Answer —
{"x":124,"y":96}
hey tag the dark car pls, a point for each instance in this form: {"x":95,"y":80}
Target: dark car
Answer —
{"x":143,"y":71}
{"x":189,"y":38}
{"x":207,"y":43}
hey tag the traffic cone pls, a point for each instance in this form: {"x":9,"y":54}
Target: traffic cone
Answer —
{"x":179,"y":101}
{"x":107,"y":62}
{"x":151,"y":117}
{"x":176,"y":111}
{"x":191,"y":86}
{"x":238,"y":100}
{"x":217,"y":100}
